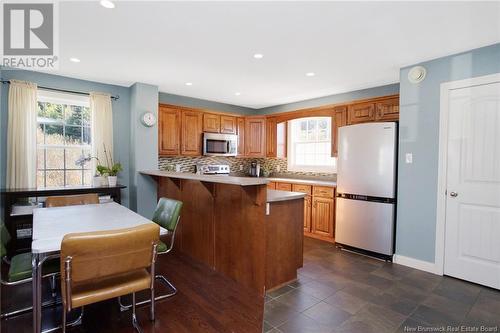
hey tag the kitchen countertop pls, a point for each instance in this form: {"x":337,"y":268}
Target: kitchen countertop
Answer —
{"x":303,"y":181}
{"x":276,"y":195}
{"x":231,"y":180}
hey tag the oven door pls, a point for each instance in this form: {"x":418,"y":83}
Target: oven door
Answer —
{"x":219,"y":144}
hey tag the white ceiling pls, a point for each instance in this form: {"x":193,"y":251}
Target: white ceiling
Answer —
{"x":349,"y":45}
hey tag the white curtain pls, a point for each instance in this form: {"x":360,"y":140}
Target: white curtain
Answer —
{"x":102,"y":127}
{"x":21,"y":135}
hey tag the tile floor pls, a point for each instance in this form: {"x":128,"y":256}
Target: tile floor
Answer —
{"x":338,"y":291}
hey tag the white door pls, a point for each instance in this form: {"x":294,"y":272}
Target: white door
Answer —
{"x":472,"y":229}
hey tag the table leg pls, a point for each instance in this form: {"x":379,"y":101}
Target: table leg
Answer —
{"x":37,"y":292}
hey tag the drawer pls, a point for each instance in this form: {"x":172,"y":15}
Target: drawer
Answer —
{"x":323,"y":191}
{"x":302,"y":188}
{"x":284,"y":186}
{"x":271,"y":185}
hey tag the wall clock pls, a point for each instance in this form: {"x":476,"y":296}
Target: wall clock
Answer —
{"x":148,"y":119}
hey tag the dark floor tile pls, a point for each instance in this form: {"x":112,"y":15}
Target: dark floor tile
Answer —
{"x":458,"y":290}
{"x":489,"y":302}
{"x":451,"y":308}
{"x":356,"y":325}
{"x":373,"y":318}
{"x":433,"y":317}
{"x":491,"y":293}
{"x":301,"y":280}
{"x":303,"y":324}
{"x":318,"y":290}
{"x":398,"y":304}
{"x":375,"y":281}
{"x":346,"y":302}
{"x":328,"y":315}
{"x":363,"y":291}
{"x":266,"y":327}
{"x":411,"y":325}
{"x":267,"y":298}
{"x":298,"y":300}
{"x":333,"y":280}
{"x":479,"y":317}
{"x":404,"y":290}
{"x":276,"y":313}
{"x":422,"y":280}
{"x":280,"y":291}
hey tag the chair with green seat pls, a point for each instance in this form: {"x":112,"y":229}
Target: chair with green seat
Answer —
{"x":167,"y":216}
{"x":20,"y":271}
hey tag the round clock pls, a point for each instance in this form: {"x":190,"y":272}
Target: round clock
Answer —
{"x":148,"y":119}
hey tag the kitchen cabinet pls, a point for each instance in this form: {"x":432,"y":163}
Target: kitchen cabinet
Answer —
{"x":255,"y":136}
{"x":323,"y":213}
{"x":339,"y":120}
{"x":240,"y":130}
{"x":361,"y":113}
{"x":191,"y":132}
{"x":271,"y":144}
{"x":281,"y":133}
{"x":211,"y":123}
{"x":387,"y":110}
{"x":168,"y":131}
{"x":284,"y":186}
{"x":227,"y":124}
{"x":271,"y":185}
{"x":307,"y":204}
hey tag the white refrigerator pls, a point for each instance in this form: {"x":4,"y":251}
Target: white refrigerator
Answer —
{"x":366,"y":187}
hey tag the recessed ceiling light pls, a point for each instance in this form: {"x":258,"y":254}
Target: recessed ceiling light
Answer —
{"x":189,"y":83}
{"x":74,"y":59}
{"x":107,"y":4}
{"x":237,"y":93}
{"x":310,"y":74}
{"x":258,"y":56}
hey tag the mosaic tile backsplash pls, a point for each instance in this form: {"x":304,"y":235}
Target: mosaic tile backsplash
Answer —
{"x":276,"y":167}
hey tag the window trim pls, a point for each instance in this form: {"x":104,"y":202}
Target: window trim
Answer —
{"x":308,"y":168}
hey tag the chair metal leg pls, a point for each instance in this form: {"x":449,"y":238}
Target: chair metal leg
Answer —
{"x":63,"y":320}
{"x":152,"y":308}
{"x":53,"y":286}
{"x":160,"y":278}
{"x":134,"y":317}
{"x":45,"y":304}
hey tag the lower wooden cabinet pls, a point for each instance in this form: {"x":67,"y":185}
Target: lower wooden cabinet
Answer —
{"x":323,"y":215}
{"x":307,"y":213}
{"x":284,"y":186}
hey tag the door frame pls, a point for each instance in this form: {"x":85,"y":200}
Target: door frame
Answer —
{"x":446,"y":88}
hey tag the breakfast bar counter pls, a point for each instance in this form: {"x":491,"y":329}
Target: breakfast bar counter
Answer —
{"x":236,"y":227}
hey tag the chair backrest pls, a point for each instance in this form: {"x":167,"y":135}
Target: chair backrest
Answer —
{"x":72,"y":200}
{"x":102,"y":254}
{"x":167,"y":213}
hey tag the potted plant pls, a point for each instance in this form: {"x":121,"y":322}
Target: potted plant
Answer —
{"x":109,"y":171}
{"x":101,"y":174}
{"x":113,"y":173}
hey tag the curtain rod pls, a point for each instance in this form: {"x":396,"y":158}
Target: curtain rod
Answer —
{"x":63,"y":90}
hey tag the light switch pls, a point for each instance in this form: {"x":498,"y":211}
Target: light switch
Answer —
{"x":409,"y":158}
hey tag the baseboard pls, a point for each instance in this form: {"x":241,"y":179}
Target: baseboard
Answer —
{"x":417,"y":264}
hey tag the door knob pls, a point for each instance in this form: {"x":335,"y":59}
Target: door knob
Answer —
{"x":453,"y":194}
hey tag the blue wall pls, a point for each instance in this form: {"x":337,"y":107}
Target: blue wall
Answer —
{"x":203,"y":104}
{"x":121,"y":115}
{"x":333,"y":99}
{"x":144,"y":149}
{"x":419,"y":134}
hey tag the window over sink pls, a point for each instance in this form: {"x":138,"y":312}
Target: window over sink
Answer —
{"x":310,"y":145}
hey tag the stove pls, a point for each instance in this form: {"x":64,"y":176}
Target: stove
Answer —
{"x":215,"y":169}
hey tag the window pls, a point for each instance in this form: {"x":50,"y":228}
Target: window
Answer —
{"x":63,"y":135}
{"x":310,"y":145}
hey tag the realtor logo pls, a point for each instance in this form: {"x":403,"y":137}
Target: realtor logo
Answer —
{"x":29,"y":35}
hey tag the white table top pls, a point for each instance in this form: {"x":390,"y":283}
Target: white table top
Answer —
{"x":50,"y":225}
{"x":231,"y":180}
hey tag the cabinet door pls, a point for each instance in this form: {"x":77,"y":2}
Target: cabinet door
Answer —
{"x":255,"y":137}
{"x":271,"y":130}
{"x":168,"y":131}
{"x":271,"y":185}
{"x":191,"y":133}
{"x":240,"y":127}
{"x":228,"y":124}
{"x":387,"y":110}
{"x":307,"y":213}
{"x":284,"y":186}
{"x":361,"y":113}
{"x":281,"y":133}
{"x":339,"y":120}
{"x":323,"y":212}
{"x":211,"y":123}
{"x":302,"y":188}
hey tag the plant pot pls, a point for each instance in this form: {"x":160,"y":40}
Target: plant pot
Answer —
{"x":112,"y":180}
{"x":97,"y":181}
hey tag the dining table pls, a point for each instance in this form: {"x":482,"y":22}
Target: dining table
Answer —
{"x":50,"y":225}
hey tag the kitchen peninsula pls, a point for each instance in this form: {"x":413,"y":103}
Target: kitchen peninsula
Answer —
{"x":237,"y":226}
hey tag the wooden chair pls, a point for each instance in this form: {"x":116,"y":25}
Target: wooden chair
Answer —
{"x":72,"y":200}
{"x":96,"y":266}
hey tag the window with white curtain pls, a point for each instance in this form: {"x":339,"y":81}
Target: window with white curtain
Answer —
{"x":310,"y":145}
{"x":63,"y":135}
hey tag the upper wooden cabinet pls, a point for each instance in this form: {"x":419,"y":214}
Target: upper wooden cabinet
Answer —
{"x":240,"y":130}
{"x":271,"y":143}
{"x":211,"y":123}
{"x":191,"y":132}
{"x":255,"y":137}
{"x":387,"y":110}
{"x":169,"y":126}
{"x":361,"y":113}
{"x":227,"y":124}
{"x":339,"y":120}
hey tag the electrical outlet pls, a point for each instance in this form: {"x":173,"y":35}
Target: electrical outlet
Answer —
{"x":241,"y":167}
{"x":278,"y":168}
{"x":409,"y":158}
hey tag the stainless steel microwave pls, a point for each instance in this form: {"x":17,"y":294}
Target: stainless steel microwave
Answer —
{"x":215,"y":144}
